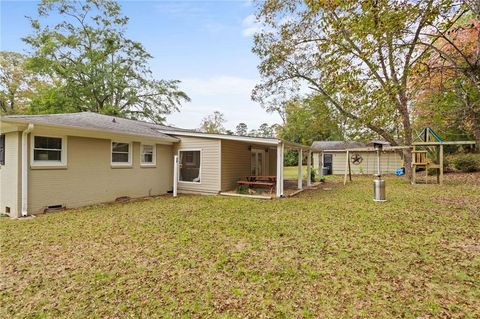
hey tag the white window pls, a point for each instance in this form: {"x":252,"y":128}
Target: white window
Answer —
{"x":48,"y":151}
{"x":148,"y":155}
{"x":121,"y":154}
{"x":190,"y":166}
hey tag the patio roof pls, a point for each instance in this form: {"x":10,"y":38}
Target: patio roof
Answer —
{"x":249,"y":139}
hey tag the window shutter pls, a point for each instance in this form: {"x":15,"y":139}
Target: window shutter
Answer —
{"x":2,"y":149}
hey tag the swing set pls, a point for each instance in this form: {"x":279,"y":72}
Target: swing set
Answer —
{"x":427,"y":154}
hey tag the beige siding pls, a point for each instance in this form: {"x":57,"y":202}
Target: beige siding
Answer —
{"x":236,"y":162}
{"x":10,"y":175}
{"x":272,"y":161}
{"x":210,"y":164}
{"x":389,"y":162}
{"x":89,"y":177}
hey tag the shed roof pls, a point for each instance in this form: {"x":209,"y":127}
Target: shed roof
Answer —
{"x":98,"y":122}
{"x":335,"y":145}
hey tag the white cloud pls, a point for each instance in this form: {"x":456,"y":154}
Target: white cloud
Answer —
{"x":250,"y":26}
{"x":219,"y":85}
{"x":227,"y":94}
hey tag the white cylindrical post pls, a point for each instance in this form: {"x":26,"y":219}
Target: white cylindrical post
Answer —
{"x":175,"y":175}
{"x":279,"y":170}
{"x":300,"y":158}
{"x":320,"y":165}
{"x":309,"y":168}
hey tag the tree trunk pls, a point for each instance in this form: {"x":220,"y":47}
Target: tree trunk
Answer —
{"x":476,"y":128}
{"x":408,"y":136}
{"x":476,"y":132}
{"x":407,"y":161}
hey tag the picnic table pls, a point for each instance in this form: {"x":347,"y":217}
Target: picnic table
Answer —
{"x":255,"y":180}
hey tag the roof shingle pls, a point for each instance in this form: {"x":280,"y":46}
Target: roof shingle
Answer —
{"x":95,"y":121}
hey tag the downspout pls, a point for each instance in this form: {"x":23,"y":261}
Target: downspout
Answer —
{"x":25,"y":169}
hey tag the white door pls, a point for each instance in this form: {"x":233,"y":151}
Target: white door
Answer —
{"x":258,"y":162}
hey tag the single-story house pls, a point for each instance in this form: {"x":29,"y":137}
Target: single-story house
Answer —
{"x":363,"y":157}
{"x":77,"y":159}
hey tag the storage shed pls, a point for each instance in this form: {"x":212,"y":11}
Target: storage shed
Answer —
{"x":331,"y":155}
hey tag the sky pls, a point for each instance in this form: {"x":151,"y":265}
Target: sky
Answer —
{"x":204,"y":44}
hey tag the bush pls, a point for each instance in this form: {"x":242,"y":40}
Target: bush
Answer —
{"x":291,"y":158}
{"x":467,"y":162}
{"x":242,"y":189}
{"x":313,"y":175}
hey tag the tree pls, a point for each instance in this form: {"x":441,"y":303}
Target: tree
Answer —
{"x":357,"y":54}
{"x":98,"y":67}
{"x":51,"y":98}
{"x":311,"y":119}
{"x":448,"y":79}
{"x":264,"y":130}
{"x":16,"y":83}
{"x":213,"y":123}
{"x":241,"y":129}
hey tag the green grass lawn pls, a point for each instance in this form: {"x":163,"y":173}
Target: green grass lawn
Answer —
{"x":291,"y":172}
{"x":326,"y":253}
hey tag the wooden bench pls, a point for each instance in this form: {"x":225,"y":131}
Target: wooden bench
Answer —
{"x":256,"y":178}
{"x":267,"y":184}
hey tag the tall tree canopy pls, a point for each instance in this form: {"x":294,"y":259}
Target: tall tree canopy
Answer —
{"x":213,"y":123}
{"x":95,"y":65}
{"x":448,"y":79}
{"x":357,"y":54}
{"x":309,"y":120}
{"x":241,"y":129}
{"x":17,"y":83}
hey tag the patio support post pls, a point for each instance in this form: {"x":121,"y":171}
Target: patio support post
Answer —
{"x":175,"y":175}
{"x":24,"y":207}
{"x":320,"y":165}
{"x":300,"y":158}
{"x":309,"y":168}
{"x":279,"y":186}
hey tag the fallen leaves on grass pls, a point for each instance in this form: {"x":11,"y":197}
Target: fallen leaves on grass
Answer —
{"x":322,"y":254}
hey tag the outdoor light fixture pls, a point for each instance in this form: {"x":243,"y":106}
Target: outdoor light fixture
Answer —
{"x":378,"y":182}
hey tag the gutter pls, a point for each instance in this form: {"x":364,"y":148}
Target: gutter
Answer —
{"x":25,"y":169}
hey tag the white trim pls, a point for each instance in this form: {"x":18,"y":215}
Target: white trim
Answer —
{"x":201,"y":164}
{"x":219,"y":165}
{"x":254,"y":140}
{"x":249,"y":139}
{"x":309,"y":168}
{"x":24,"y":208}
{"x":130,"y":152}
{"x":175,"y":175}
{"x":63,"y":152}
{"x":154,"y":155}
{"x":279,"y":186}
{"x":256,"y":151}
{"x":299,"y":170}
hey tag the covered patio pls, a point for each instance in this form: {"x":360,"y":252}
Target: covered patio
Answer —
{"x":220,"y":163}
{"x":260,"y":165}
